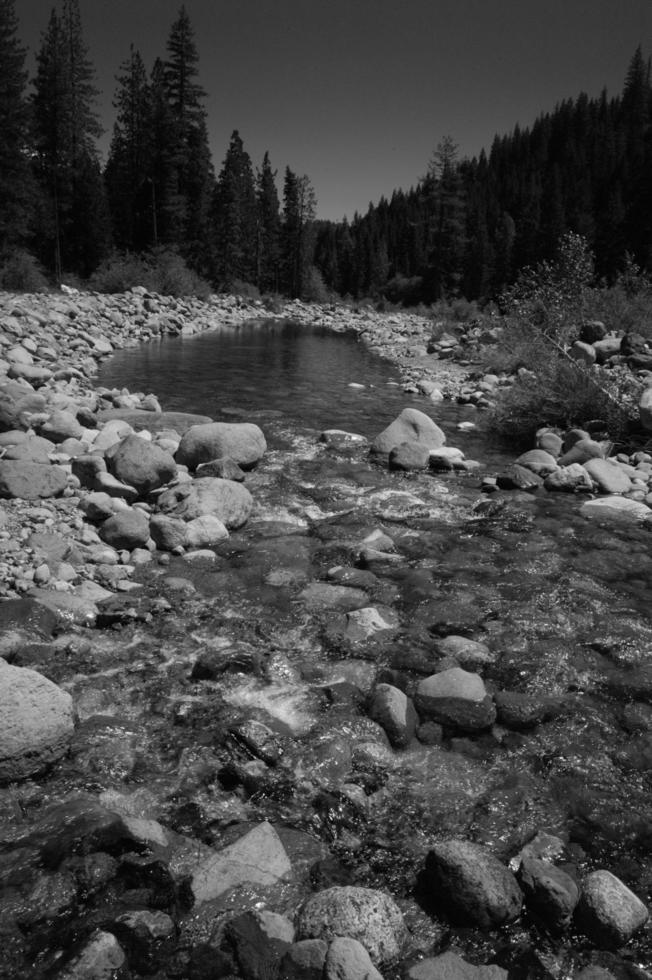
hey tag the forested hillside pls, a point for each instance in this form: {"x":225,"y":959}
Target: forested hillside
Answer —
{"x":464,"y":229}
{"x":469,"y":225}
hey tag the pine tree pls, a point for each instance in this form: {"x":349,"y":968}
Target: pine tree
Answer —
{"x":269,"y":229}
{"x":16,"y":190}
{"x":235,"y":217}
{"x":447,"y":206}
{"x":74,"y":234}
{"x":128,"y":173}
{"x":297,"y":231}
{"x":188,"y":179}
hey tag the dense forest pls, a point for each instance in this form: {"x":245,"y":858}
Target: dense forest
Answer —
{"x":466,"y":228}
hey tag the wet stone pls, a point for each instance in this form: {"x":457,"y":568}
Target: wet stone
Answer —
{"x":470,"y":884}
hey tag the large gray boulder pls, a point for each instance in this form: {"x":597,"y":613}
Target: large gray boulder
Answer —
{"x":18,"y":402}
{"x":450,"y":966}
{"x":242,"y":442}
{"x":31,"y":481}
{"x":608,"y":476}
{"x":472,"y":885}
{"x":457,"y":698}
{"x":36,"y":722}
{"x":609,"y":912}
{"x":230,"y":502}
{"x":61,"y":425}
{"x":370,"y":916}
{"x":126,"y":529}
{"x":410,"y":426}
{"x":141,"y":464}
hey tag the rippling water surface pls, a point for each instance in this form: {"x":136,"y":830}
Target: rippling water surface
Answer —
{"x":563,"y":606}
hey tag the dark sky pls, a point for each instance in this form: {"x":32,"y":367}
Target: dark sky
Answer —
{"x":357,"y":93}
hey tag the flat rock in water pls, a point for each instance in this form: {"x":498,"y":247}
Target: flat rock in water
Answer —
{"x":257,"y":858}
{"x":457,"y":698}
{"x":450,"y":966}
{"x":608,"y":476}
{"x":616,"y":510}
{"x":36,"y":722}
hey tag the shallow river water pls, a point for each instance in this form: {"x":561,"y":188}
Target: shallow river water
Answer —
{"x":265,"y":635}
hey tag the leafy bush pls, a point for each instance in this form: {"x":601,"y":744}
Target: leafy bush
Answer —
{"x":273,"y":302}
{"x":20,"y":272}
{"x":161,"y":270}
{"x":555,"y":296}
{"x":564,"y":393}
{"x":315,"y":289}
{"x":246,"y":290}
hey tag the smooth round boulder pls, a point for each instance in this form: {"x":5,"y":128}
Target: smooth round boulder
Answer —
{"x":569,"y":479}
{"x":18,"y":402}
{"x":539,"y":461}
{"x":472,"y":885}
{"x":609,"y":913}
{"x":370,"y":916}
{"x":410,"y":426}
{"x":230,"y":502}
{"x":126,"y":529}
{"x":168,"y":533}
{"x":36,"y":722}
{"x":141,"y":464}
{"x":243,"y":442}
{"x":457,"y":698}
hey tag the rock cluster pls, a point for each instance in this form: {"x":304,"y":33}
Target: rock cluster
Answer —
{"x":575,"y":462}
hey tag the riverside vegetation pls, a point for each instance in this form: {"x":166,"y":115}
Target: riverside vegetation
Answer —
{"x":323,"y":709}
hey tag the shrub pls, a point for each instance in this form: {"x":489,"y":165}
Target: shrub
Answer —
{"x":246,"y":290}
{"x":161,"y":270}
{"x":564,"y":393}
{"x":273,"y":302}
{"x":555,"y":296}
{"x":20,"y":272}
{"x":315,"y":289}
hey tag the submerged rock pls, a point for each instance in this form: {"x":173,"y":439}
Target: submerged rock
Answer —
{"x":258,"y":857}
{"x":457,"y":698}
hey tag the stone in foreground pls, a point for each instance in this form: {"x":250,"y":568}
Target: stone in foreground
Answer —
{"x":450,"y":966}
{"x":36,"y":722}
{"x":257,"y":858}
{"x":242,"y":442}
{"x":457,"y":698}
{"x":410,"y":426}
{"x":370,"y":916}
{"x":472,"y":885}
{"x":609,"y":912}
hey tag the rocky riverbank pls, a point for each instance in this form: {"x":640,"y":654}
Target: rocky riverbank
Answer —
{"x":247,"y":753}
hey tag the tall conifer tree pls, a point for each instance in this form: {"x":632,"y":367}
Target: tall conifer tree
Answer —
{"x":16,"y":191}
{"x":128,"y":171}
{"x":187,"y":186}
{"x":235,"y":216}
{"x":74,"y":234}
{"x":269,"y":229}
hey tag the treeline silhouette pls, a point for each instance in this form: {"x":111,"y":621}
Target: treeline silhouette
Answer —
{"x":466,"y":228}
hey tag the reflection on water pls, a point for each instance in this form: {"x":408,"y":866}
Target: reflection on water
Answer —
{"x":266,"y":367}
